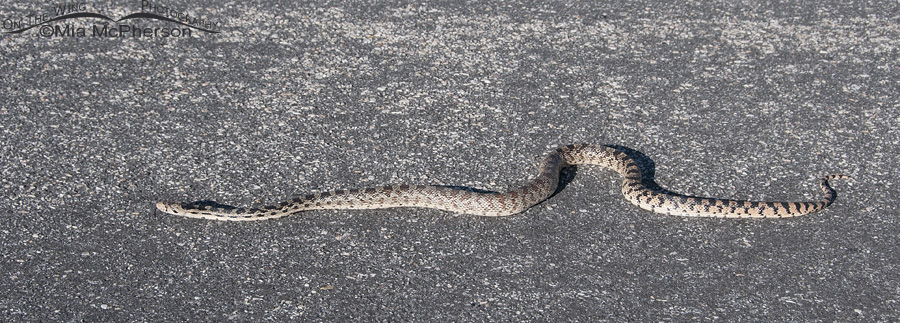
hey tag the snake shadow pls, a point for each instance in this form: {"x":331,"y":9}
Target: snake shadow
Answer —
{"x":647,"y":166}
{"x":648,"y":169}
{"x":567,"y":175}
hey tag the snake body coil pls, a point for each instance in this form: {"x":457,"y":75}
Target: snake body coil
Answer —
{"x":517,"y":200}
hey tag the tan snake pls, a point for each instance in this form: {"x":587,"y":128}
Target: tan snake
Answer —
{"x":517,"y":200}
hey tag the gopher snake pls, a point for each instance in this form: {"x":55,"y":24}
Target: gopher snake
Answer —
{"x":514,"y":201}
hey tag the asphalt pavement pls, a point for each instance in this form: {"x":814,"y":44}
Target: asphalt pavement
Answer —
{"x":109,"y":107}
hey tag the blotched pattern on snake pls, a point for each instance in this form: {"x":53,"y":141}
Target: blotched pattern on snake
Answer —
{"x":516,"y":200}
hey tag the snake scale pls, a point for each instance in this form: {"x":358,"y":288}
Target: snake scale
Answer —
{"x":515,"y":201}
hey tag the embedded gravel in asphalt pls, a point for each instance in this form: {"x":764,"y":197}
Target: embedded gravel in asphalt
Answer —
{"x":728,"y":100}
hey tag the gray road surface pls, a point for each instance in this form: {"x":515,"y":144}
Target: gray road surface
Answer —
{"x":750,"y":101}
